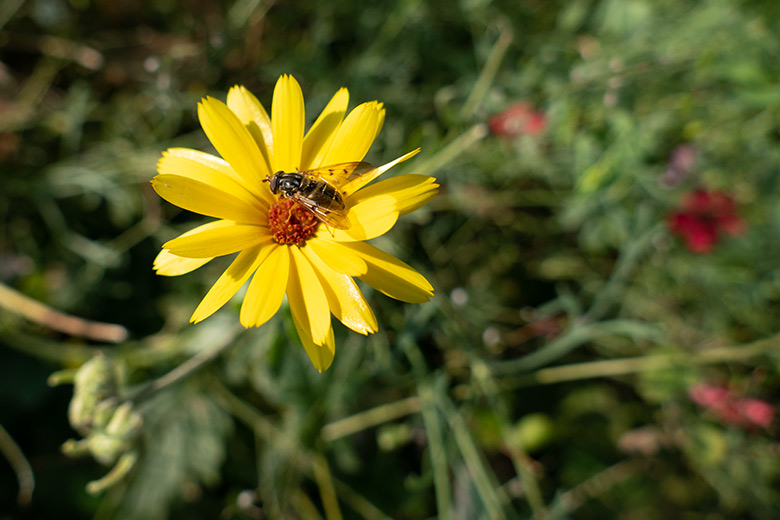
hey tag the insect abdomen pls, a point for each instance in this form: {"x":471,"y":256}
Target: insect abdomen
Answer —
{"x":322,"y":191}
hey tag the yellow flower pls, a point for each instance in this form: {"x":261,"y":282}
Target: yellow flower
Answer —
{"x":278,"y":241}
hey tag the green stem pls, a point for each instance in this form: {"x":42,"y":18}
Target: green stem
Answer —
{"x":182,"y":371}
{"x":370,"y":418}
{"x":441,"y":477}
{"x":625,"y":366}
{"x":324,"y":480}
{"x":454,"y":149}
{"x":20,"y":465}
{"x":35,"y":311}
{"x":489,"y":71}
{"x":572,"y":339}
{"x":626,"y":264}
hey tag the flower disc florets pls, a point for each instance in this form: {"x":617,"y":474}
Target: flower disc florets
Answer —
{"x":291,"y":224}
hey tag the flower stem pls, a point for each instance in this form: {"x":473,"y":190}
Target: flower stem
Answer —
{"x":182,"y":371}
{"x":16,"y":302}
{"x":20,"y":465}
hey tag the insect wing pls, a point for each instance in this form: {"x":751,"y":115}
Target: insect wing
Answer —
{"x":338,"y":175}
{"x":336,"y":218}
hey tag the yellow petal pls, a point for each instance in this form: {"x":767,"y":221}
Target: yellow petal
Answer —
{"x":206,"y":159}
{"x":321,"y":356}
{"x":321,"y":133}
{"x":219,"y":242}
{"x":308,"y":303}
{"x":206,"y":199}
{"x":381,"y":121}
{"x":342,"y":259}
{"x":233,"y":142}
{"x":287,"y":120}
{"x":344,"y":297}
{"x":266,"y":290}
{"x":252,"y":113}
{"x":209,"y":170}
{"x":168,"y":264}
{"x":368,"y":219}
{"x":231,"y":281}
{"x":410,"y":192}
{"x":355,"y":135}
{"x":390,"y":276}
{"x":353,"y":186}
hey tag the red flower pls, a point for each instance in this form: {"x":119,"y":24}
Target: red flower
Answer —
{"x":519,"y":119}
{"x":703,"y":217}
{"x":743,"y":412}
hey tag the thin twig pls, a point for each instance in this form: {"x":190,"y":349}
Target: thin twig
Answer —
{"x":20,"y":465}
{"x":16,"y":302}
{"x":182,"y":371}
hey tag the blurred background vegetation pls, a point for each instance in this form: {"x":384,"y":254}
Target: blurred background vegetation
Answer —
{"x":603,"y":341}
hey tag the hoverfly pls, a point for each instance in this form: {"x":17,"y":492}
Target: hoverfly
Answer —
{"x":319,"y":190}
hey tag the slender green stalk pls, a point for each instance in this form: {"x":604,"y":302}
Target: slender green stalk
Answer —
{"x":358,"y":502}
{"x":16,"y":302}
{"x":439,"y":465}
{"x":487,"y":385}
{"x":573,"y":338}
{"x":20,"y":465}
{"x":453,"y":150}
{"x":370,"y":418}
{"x":486,"y":486}
{"x":625,"y":366}
{"x":488,"y":74}
{"x":324,"y":482}
{"x":182,"y":371}
{"x":626,"y":264}
{"x":266,"y":431}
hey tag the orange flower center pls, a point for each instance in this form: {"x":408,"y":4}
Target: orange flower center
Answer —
{"x":290,"y":223}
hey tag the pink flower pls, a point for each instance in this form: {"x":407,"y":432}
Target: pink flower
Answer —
{"x":681,"y":162}
{"x":521,"y":118}
{"x":702,"y":218}
{"x":743,"y":412}
{"x":756,"y":411}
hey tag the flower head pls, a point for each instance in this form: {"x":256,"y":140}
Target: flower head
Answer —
{"x":520,"y":118}
{"x":702,"y":218}
{"x":682,"y":161}
{"x":281,"y":243}
{"x":735,"y":410}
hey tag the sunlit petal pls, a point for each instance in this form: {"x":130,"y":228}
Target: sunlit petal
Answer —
{"x":410,"y":192}
{"x":308,"y":303}
{"x":343,"y":259}
{"x":391,"y":276}
{"x":218,"y":242}
{"x":231,"y":280}
{"x":206,"y":159}
{"x":209,"y":170}
{"x":355,"y":135}
{"x":287,"y":120}
{"x":233,"y":141}
{"x":322,"y":132}
{"x":168,"y":264}
{"x":353,"y":186}
{"x":266,"y":290}
{"x":205,"y":199}
{"x":321,"y":356}
{"x":368,"y":219}
{"x":252,"y":113}
{"x":345,"y":300}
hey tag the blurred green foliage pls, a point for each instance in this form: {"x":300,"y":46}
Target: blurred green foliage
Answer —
{"x":548,"y":378}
